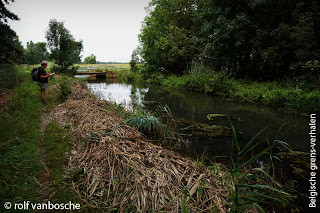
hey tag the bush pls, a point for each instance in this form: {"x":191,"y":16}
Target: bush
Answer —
{"x":55,"y":69}
{"x":65,"y":89}
{"x":8,"y":75}
{"x":220,"y":84}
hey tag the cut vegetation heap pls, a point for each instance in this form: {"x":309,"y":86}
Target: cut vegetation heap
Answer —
{"x":114,"y":167}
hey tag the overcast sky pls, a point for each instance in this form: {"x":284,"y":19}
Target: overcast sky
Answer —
{"x":108,"y":28}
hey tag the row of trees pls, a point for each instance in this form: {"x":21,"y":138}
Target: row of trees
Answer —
{"x":253,"y":38}
{"x":62,"y":46}
{"x":11,"y":48}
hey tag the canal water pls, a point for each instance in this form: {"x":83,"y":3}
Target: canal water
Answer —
{"x":247,"y":118}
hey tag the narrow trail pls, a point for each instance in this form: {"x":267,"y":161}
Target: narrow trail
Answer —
{"x":44,"y":177}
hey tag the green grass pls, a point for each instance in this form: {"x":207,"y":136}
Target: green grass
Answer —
{"x":20,"y":134}
{"x":21,"y":162}
{"x":104,"y":67}
{"x":57,"y":144}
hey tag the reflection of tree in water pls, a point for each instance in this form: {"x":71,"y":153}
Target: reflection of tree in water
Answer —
{"x":134,"y":97}
{"x":137,"y":96}
{"x":250,"y":118}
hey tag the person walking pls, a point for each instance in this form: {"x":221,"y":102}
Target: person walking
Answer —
{"x":43,"y":82}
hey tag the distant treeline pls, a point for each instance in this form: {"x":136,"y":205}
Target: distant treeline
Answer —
{"x":259,"y":39}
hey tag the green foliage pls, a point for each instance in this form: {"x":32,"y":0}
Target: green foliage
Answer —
{"x":57,"y":144}
{"x":91,"y":59}
{"x":8,"y":75}
{"x":148,"y":125}
{"x":166,"y":36}
{"x":20,"y":134}
{"x":281,"y":95}
{"x":11,"y":48}
{"x":247,"y":43}
{"x":64,"y":49}
{"x":135,"y":59}
{"x":253,"y":187}
{"x":5,"y":14}
{"x":185,"y":198}
{"x":65,"y":89}
{"x":259,"y":39}
{"x":36,"y":52}
{"x":158,"y":124}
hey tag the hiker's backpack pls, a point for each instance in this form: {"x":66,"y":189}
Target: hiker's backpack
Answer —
{"x":35,"y":74}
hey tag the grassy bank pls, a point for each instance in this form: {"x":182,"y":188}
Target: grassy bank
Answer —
{"x":94,"y":159}
{"x":288,"y":96}
{"x":57,"y":145}
{"x":20,"y":134}
{"x":26,"y":154}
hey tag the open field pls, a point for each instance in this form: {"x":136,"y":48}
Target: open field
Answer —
{"x":104,"y":67}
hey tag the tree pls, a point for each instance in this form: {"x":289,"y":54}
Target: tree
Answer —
{"x":135,"y":59}
{"x":36,"y":52}
{"x":259,"y":39}
{"x":64,"y":49}
{"x":91,"y":59}
{"x":166,"y":38}
{"x":10,"y":46}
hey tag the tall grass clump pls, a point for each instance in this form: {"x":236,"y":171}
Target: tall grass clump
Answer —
{"x":8,"y":75}
{"x":20,"y":134}
{"x":158,"y":124}
{"x":197,"y":77}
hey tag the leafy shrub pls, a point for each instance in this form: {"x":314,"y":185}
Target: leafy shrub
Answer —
{"x":220,"y":84}
{"x":56,"y":69}
{"x":65,"y":89}
{"x":8,"y":75}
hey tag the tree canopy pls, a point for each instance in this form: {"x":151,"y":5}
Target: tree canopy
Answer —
{"x":91,"y":59}
{"x":36,"y":52}
{"x":261,"y":39}
{"x":64,"y":49}
{"x":167,"y":35}
{"x":11,"y":48}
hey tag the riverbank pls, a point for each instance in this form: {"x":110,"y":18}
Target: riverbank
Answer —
{"x":82,"y":152}
{"x":31,"y":160}
{"x":285,"y":96}
{"x":78,"y":151}
{"x":113,"y":163}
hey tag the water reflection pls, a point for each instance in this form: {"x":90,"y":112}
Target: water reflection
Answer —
{"x":125,"y":94}
{"x":247,"y":118}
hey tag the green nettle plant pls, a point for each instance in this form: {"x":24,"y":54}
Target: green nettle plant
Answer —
{"x":254,"y":186}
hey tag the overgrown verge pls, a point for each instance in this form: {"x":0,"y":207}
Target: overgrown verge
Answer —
{"x":111,"y":166}
{"x":290,"y":95}
{"x":23,"y":174}
{"x":8,"y":76}
{"x":20,"y":133}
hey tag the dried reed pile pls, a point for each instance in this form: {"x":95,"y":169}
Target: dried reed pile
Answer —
{"x":123,"y":170}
